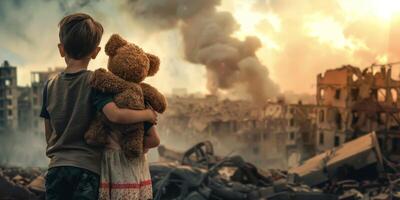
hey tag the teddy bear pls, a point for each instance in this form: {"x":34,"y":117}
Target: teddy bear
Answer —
{"x":128,"y":65}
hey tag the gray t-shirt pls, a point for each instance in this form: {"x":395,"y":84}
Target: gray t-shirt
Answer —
{"x":70,"y":104}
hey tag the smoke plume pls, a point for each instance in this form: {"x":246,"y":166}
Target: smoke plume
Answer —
{"x":207,"y":35}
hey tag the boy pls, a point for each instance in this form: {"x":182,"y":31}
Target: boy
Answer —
{"x":69,"y":105}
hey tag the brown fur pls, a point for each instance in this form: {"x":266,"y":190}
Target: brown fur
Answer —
{"x":128,"y":66}
{"x":154,"y":64}
{"x":113,"y":44}
{"x":154,"y":98}
{"x":105,"y":81}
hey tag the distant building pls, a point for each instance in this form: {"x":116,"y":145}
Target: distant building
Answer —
{"x":20,"y":106}
{"x":8,"y":97}
{"x":24,"y":109}
{"x":38,"y":81}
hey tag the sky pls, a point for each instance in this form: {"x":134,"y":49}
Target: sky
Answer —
{"x":299,"y":39}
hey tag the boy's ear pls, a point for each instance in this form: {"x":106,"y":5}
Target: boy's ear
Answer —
{"x":61,"y":50}
{"x":95,"y":52}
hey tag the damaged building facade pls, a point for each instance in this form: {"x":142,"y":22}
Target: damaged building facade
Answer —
{"x":20,"y":105}
{"x":8,"y":97}
{"x":351,"y":102}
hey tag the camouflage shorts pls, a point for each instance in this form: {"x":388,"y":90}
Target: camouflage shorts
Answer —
{"x":71,"y":183}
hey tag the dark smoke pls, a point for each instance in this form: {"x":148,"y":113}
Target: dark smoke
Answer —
{"x":207,"y":35}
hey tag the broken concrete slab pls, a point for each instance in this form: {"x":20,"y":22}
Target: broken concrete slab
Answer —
{"x":357,"y":153}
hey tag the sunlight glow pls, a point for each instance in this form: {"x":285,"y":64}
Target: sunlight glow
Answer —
{"x":248,"y":20}
{"x":330,"y":32}
{"x":386,"y":8}
{"x":383,"y":9}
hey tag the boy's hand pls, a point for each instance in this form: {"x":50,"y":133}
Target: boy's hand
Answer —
{"x":152,"y":116}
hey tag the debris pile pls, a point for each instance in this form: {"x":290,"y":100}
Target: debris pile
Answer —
{"x":21,"y":183}
{"x":357,"y":170}
{"x":202,"y":175}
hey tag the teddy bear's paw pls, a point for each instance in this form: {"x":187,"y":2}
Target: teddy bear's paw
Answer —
{"x":154,"y":98}
{"x":95,"y":140}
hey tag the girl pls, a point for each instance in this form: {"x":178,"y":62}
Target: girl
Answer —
{"x":125,"y":179}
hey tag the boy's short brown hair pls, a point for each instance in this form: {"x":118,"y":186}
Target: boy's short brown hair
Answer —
{"x":80,"y":34}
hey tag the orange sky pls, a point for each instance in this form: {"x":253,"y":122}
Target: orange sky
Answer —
{"x":300,"y":38}
{"x":303,"y":38}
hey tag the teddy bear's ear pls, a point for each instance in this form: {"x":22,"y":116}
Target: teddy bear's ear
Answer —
{"x":113,"y":44}
{"x":154,"y":64}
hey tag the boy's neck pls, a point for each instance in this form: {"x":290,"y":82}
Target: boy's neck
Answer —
{"x":76,"y":65}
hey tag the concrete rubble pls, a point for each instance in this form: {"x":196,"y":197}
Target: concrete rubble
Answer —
{"x":273,"y":131}
{"x":354,"y":171}
{"x":21,"y":183}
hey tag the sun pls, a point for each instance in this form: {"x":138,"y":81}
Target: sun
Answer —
{"x":385,"y":9}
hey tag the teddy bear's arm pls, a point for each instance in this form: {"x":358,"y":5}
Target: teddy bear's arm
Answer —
{"x":153,"y":97}
{"x":105,"y":81}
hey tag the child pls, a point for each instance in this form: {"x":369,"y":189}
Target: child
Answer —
{"x":123,"y":178}
{"x":69,"y":105}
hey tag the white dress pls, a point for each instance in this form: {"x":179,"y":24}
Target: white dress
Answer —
{"x":121,"y":178}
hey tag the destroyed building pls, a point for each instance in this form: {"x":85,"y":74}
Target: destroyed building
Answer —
{"x":351,"y":102}
{"x":20,"y":106}
{"x":8,"y":97}
{"x":275,"y":134}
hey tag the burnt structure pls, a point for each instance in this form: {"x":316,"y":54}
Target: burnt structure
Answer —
{"x":351,"y":102}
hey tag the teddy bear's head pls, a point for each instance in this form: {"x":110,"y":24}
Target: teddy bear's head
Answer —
{"x":129,"y":61}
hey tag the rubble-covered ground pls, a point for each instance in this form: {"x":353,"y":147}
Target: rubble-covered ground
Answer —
{"x":357,"y":170}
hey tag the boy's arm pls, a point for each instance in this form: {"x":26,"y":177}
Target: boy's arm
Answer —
{"x":127,"y":116}
{"x":46,"y":115}
{"x":151,"y":139}
{"x":47,"y":129}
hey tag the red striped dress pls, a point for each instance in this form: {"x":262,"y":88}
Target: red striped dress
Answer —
{"x":123,"y":179}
